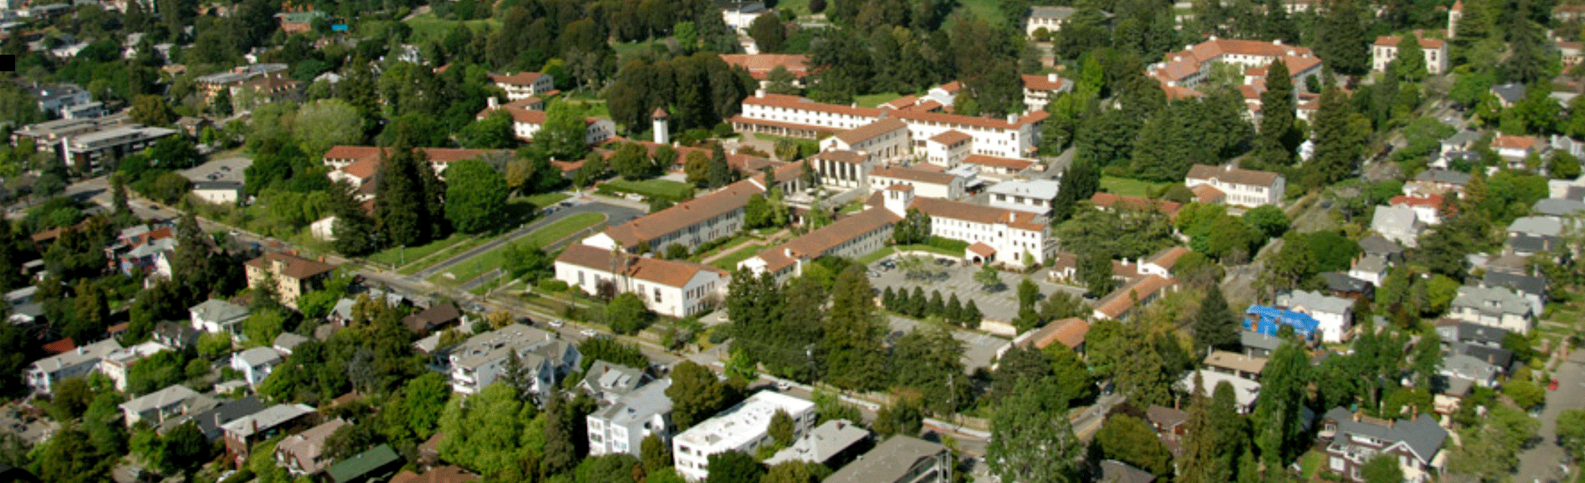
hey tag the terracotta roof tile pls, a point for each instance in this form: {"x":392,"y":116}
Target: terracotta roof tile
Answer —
{"x":1042,"y":83}
{"x":957,"y":210}
{"x":816,"y":243}
{"x":1070,"y":332}
{"x":1011,"y":163}
{"x":981,"y":249}
{"x":1233,"y":175}
{"x":1513,"y":142}
{"x":1120,"y":301}
{"x":960,"y":120}
{"x":685,"y":214}
{"x":1107,"y":200}
{"x":293,"y":266}
{"x":951,"y":137}
{"x":665,"y":272}
{"x":795,"y":102}
{"x":518,"y":79}
{"x":913,"y":175}
{"x":760,"y":65}
{"x":871,"y":130}
{"x":1205,"y":193}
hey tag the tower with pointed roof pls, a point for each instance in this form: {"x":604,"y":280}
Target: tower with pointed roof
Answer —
{"x":661,"y":122}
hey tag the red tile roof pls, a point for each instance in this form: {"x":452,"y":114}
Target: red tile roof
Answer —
{"x":1107,"y":200}
{"x":292,"y":266}
{"x":518,"y":79}
{"x":1513,"y":142}
{"x":1393,"y":41}
{"x":913,"y":175}
{"x":1233,"y":175}
{"x":951,"y":137}
{"x":760,"y":65}
{"x":1433,"y":201}
{"x":1011,"y":163}
{"x":960,"y":120}
{"x":799,"y":103}
{"x":685,"y":214}
{"x":871,"y":130}
{"x":1205,"y":193}
{"x":957,"y":210}
{"x":817,"y":243}
{"x":981,"y":249}
{"x":1121,"y":301}
{"x":1042,"y":83}
{"x":1070,"y":332}
{"x":60,"y":346}
{"x":670,"y":273}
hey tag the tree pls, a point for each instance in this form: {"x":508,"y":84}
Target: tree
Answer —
{"x":1278,"y":418}
{"x":492,"y":132}
{"x":1562,"y":165}
{"x":1410,"y":61}
{"x":655,"y":453}
{"x":697,"y":167}
{"x":1215,"y":326}
{"x":1382,"y":468}
{"x":1274,"y":146}
{"x":1131,"y":440}
{"x":151,"y":110}
{"x":1571,"y":432}
{"x":734,"y":467}
{"x":914,"y":228}
{"x":989,"y":278}
{"x":1525,"y":393}
{"x":1094,"y":270}
{"x":407,"y":204}
{"x":68,"y":456}
{"x":261,"y":328}
{"x":768,"y":33}
{"x":326,"y":123}
{"x":1269,"y":219}
{"x":564,"y":132}
{"x":696,"y":394}
{"x":475,"y":196}
{"x":1341,"y":36}
{"x":795,"y":472}
{"x":1031,"y":438}
{"x":854,"y":349}
{"x":490,"y":433}
{"x":1202,"y":461}
{"x":720,"y":172}
{"x":626,"y":314}
{"x":1338,"y":138}
{"x":781,"y":428}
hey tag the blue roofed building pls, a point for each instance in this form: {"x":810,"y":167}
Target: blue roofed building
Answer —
{"x":1268,"y":321}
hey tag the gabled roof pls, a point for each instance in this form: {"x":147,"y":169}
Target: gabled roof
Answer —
{"x":438,"y":314}
{"x":1496,"y":300}
{"x":1340,"y":282}
{"x":517,"y":79}
{"x":219,"y":311}
{"x":1379,"y":245}
{"x":1042,"y":82}
{"x":1233,"y":175}
{"x":175,"y":394}
{"x":1558,"y":207}
{"x":292,"y":266}
{"x":685,"y":214}
{"x":443,"y":474}
{"x":1168,"y":257}
{"x":1059,"y":13}
{"x":981,"y":122}
{"x":871,"y":130}
{"x":951,"y":137}
{"x":1422,"y":435}
{"x":1235,"y":361}
{"x":259,"y":356}
{"x":665,"y":272}
{"x":1523,"y":283}
{"x":1255,"y":340}
{"x":359,"y":466}
{"x":915,"y":175}
{"x":1425,"y":43}
{"x":1113,"y":471}
{"x":1513,"y":142}
{"x":1443,"y":176}
{"x":1120,"y":301}
{"x":817,"y":243}
{"x":1010,"y":163}
{"x":1070,"y":332}
{"x":889,"y":461}
{"x":267,"y":419}
{"x":760,"y":65}
{"x":1537,"y":225}
{"x":803,"y":104}
{"x":307,"y":446}
{"x":1108,"y":200}
{"x":957,"y":210}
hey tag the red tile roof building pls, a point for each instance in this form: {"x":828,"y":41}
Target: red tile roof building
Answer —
{"x":668,"y":287}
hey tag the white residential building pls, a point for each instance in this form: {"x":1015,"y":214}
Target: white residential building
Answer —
{"x":798,"y":117}
{"x":217,"y":316}
{"x":523,"y":85}
{"x":1335,"y":314}
{"x":1498,"y":307}
{"x":1014,"y":137}
{"x":621,"y":427}
{"x":1243,"y":187}
{"x":690,"y":223}
{"x":115,"y":364}
{"x":255,"y":364}
{"x":948,"y":148}
{"x":852,"y":236}
{"x":1515,"y":149}
{"x":53,"y":98}
{"x":672,"y":288}
{"x":87,"y":150}
{"x":884,"y":141}
{"x":1010,"y":234}
{"x":843,"y":169}
{"x":745,"y":427}
{"x":79,"y":362}
{"x":1040,"y":89}
{"x":926,"y":184}
{"x":1035,"y":196}
{"x":1184,"y":70}
{"x":1386,"y":49}
{"x":479,"y":361}
{"x":739,"y":14}
{"x":1400,"y":224}
{"x":1048,"y":18}
{"x":157,"y":406}
{"x":526,"y":123}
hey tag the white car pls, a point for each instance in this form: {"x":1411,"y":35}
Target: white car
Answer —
{"x":557,"y":323}
{"x":589,"y":333}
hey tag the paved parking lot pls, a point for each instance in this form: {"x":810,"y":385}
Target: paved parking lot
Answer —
{"x":979,"y":349}
{"x":1001,"y":305}
{"x":228,"y":169}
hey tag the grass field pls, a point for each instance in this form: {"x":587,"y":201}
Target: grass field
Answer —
{"x":988,"y":10}
{"x":395,"y":256}
{"x":873,"y":100}
{"x":1129,"y":186}
{"x":540,"y":201}
{"x":733,"y":243}
{"x":729,"y":262}
{"x":653,"y":188}
{"x":882,"y":253}
{"x":626,"y":49}
{"x":427,"y":26}
{"x":484,"y":262}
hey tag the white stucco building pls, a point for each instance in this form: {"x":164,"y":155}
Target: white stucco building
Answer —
{"x":884,"y":141}
{"x":523,"y":85}
{"x":622,"y":426}
{"x":926,"y":184}
{"x":481,"y":360}
{"x":1242,"y":187}
{"x":744,"y":427}
{"x":1335,"y":314}
{"x":1011,"y":234}
{"x":1386,"y":49}
{"x":668,"y":287}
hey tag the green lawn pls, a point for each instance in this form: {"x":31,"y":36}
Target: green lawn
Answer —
{"x":398,"y":257}
{"x":730,"y":244}
{"x":1129,"y":186}
{"x":873,"y":100}
{"x":484,"y":262}
{"x":427,"y":26}
{"x":1310,"y":463}
{"x":653,"y":188}
{"x":729,"y":262}
{"x":800,"y":7}
{"x":540,"y":201}
{"x":627,"y":49}
{"x":988,"y":10}
{"x":882,"y":253}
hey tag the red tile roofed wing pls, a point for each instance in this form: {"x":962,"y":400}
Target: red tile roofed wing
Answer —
{"x":1121,"y":300}
{"x":913,"y":175}
{"x":1431,"y":201}
{"x":960,"y":120}
{"x":1070,"y":332}
{"x":60,"y":346}
{"x":926,"y":106}
{"x":1393,"y":41}
{"x":993,"y":161}
{"x":818,"y":242}
{"x":352,"y":152}
{"x":1513,"y":142}
{"x":799,"y":103}
{"x":1205,"y":193}
{"x":760,"y":65}
{"x":957,"y":210}
{"x":1042,"y":83}
{"x":518,"y":79}
{"x":1180,"y":92}
{"x":294,"y":266}
{"x":1168,"y":258}
{"x":685,"y":214}
{"x":1235,"y":175}
{"x":841,"y":156}
{"x":952,"y":87}
{"x":981,"y":249}
{"x":665,"y":272}
{"x":950,"y":137}
{"x":526,"y":116}
{"x":901,"y":102}
{"x":1108,"y":200}
{"x":871,"y":130}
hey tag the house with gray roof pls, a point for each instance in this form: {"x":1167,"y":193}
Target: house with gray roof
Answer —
{"x":1558,"y":208}
{"x":1461,"y":141}
{"x":1508,"y":94}
{"x":79,"y":362}
{"x":1335,"y":315}
{"x":1493,"y":307}
{"x":901,"y":459}
{"x":1534,"y":234}
{"x":1257,"y":344}
{"x":1342,"y":285}
{"x":243,"y":432}
{"x":217,"y":316}
{"x":1531,"y":287}
{"x":1113,"y":471}
{"x":1477,"y":371}
{"x":255,"y":364}
{"x":1352,"y":439}
{"x":211,"y":417}
{"x":1397,"y":223}
{"x":1379,"y":246}
{"x":622,"y":426}
{"x":1454,"y":330}
{"x":1498,"y":357}
{"x":1436,"y":182}
{"x":1370,"y":268}
{"x":156,"y":406}
{"x":832,"y":444}
{"x":607,"y":382}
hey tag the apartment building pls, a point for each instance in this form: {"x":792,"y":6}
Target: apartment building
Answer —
{"x":1040,"y":89}
{"x":668,"y":287}
{"x":211,"y":85}
{"x":1242,"y":187}
{"x":1183,"y":70}
{"x":87,"y":151}
{"x":690,"y":223}
{"x":1035,"y":196}
{"x":798,"y":117}
{"x":1013,"y":137}
{"x":852,"y":237}
{"x":481,"y":360}
{"x":79,"y":362}
{"x":744,"y":427}
{"x":925,"y":184}
{"x":621,"y":427}
{"x":1352,"y":439}
{"x":1385,"y":49}
{"x":288,"y":275}
{"x":1011,"y":235}
{"x":884,"y":141}
{"x":523,"y":85}
{"x":1498,"y":307}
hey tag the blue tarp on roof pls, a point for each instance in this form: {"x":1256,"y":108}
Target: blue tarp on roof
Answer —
{"x":1268,"y":321}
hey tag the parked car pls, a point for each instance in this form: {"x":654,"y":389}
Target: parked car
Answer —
{"x":589,"y":333}
{"x":557,"y":323}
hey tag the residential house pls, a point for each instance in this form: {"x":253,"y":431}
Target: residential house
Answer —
{"x":1334,"y":314}
{"x":1376,"y":245}
{"x":884,"y":141}
{"x":523,"y":85}
{"x":476,"y":363}
{"x":852,"y":236}
{"x":294,"y":22}
{"x":1170,"y":425}
{"x":833,"y":444}
{"x":607,"y":382}
{"x":435,"y":317}
{"x":1534,"y":234}
{"x":759,"y":66}
{"x":76,"y":362}
{"x":255,"y":364}
{"x":901,"y":459}
{"x":210,"y":417}
{"x":1040,"y":89}
{"x":157,"y":406}
{"x":1163,"y":261}
{"x":927,"y":184}
{"x":243,"y":432}
{"x":621,"y":427}
{"x":670,"y":287}
{"x":1427,"y":209}
{"x":442,"y":474}
{"x":1478,"y":371}
{"x":1514,"y":149}
{"x":1270,"y":320}
{"x":216,"y":316}
{"x":1532,"y":288}
{"x":1256,"y":344}
{"x":1508,"y":94}
{"x":1386,"y":49}
{"x":1352,"y":439}
{"x":1113,"y":471}
{"x":1436,"y":182}
{"x":1562,"y":209}
{"x":1369,"y":268}
{"x":1245,"y":391}
{"x":287,"y":342}
{"x":1450,"y":393}
{"x":691,"y":223}
{"x":115,"y":364}
{"x":1493,"y":307}
{"x":1341,"y":285}
{"x":1121,"y":303}
{"x":174,"y":335}
{"x":289,"y":275}
{"x":1016,"y":237}
{"x":1108,"y":201}
{"x":376,"y":464}
{"x":744,"y":427}
{"x":1453,"y":331}
{"x":1046,"y":18}
{"x":1243,"y":187}
{"x":301,"y":453}
{"x":1034,"y":196}
{"x":1235,"y":364}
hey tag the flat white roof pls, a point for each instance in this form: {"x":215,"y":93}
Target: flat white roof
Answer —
{"x":746,"y":422}
{"x":1035,"y":188}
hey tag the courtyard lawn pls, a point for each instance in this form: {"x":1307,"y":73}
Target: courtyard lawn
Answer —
{"x":730,"y":244}
{"x":729,"y":262}
{"x":493,"y":259}
{"x":1130,"y":186}
{"x":540,"y":201}
{"x":882,"y":253}
{"x":625,"y":50}
{"x":988,"y":10}
{"x":399,"y":257}
{"x":653,"y":188}
{"x":872,"y":100}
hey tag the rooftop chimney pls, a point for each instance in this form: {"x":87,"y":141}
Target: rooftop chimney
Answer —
{"x":493,"y":103}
